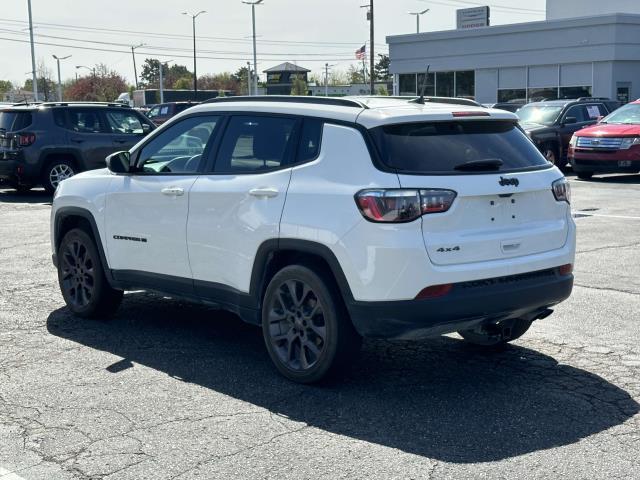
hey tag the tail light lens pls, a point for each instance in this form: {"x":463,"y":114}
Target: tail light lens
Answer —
{"x":434,"y":291}
{"x":400,"y":205}
{"x":566,"y":269}
{"x":25,"y":139}
{"x":561,"y":190}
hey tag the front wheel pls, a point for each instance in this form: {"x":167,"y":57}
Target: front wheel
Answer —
{"x":55,"y":172}
{"x":306,"y":328}
{"x":496,"y":335}
{"x":83,"y":284}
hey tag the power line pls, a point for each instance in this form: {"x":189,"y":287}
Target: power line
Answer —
{"x":457,"y":3}
{"x":155,"y":54}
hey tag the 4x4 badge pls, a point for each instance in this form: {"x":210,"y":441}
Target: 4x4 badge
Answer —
{"x":509,"y":181}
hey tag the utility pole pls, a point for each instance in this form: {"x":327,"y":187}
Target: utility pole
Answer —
{"x":59,"y":78}
{"x":161,"y":80}
{"x":255,"y":61}
{"x":371,"y":25}
{"x":249,"y":80}
{"x":195,"y":72}
{"x":326,"y":79}
{"x":418,"y":14}
{"x":133,"y":54}
{"x":34,"y":74}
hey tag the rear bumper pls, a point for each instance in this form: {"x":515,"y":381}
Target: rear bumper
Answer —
{"x":610,"y":165}
{"x":469,"y":304}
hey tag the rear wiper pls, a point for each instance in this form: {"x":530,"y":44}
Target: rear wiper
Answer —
{"x":486,"y":164}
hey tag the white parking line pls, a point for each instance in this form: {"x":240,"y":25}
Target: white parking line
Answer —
{"x":7,"y":475}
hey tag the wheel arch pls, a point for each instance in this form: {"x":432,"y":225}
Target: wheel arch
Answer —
{"x":48,"y":156}
{"x":275,"y":254}
{"x":68,"y":218}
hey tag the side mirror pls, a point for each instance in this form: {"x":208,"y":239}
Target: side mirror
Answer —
{"x":570,"y":120}
{"x":146,"y":128}
{"x":119,"y":162}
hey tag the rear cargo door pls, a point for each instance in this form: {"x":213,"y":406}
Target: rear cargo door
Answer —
{"x":504,"y":205}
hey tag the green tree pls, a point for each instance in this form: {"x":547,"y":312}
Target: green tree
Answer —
{"x":184,"y":83}
{"x":242,"y":77}
{"x":5,"y":86}
{"x":356,"y":74}
{"x":381,"y":69}
{"x":150,"y":74}
{"x":299,"y":86}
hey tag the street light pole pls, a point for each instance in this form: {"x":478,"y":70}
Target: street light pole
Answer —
{"x":372,"y":45}
{"x":418,"y":14}
{"x":249,"y":79}
{"x":59,"y":78}
{"x":34,"y":74}
{"x":133,"y":54}
{"x":326,"y":78}
{"x":161,"y":81}
{"x":255,"y":61}
{"x":195,"y":72}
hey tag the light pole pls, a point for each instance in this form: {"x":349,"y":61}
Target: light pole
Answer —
{"x":162,"y":64}
{"x":195,"y":73}
{"x":417,"y":14}
{"x":326,"y":78}
{"x":34,"y":75}
{"x":92,"y":69}
{"x":255,"y":61}
{"x":249,"y":78}
{"x":133,"y":54}
{"x":59,"y":78}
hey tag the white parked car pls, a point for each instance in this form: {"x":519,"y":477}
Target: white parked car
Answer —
{"x":324,"y":220}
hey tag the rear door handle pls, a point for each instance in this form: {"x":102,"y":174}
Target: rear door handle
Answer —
{"x":267,"y":192}
{"x":121,"y":141}
{"x":173,"y":191}
{"x":77,"y":140}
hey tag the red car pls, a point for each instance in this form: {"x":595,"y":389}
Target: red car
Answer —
{"x":610,"y":146}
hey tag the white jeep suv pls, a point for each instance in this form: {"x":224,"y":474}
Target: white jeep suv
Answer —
{"x":324,"y":220}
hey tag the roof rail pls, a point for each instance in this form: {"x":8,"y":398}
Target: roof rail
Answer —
{"x":448,"y":100}
{"x":66,"y":104}
{"x":339,"y":102}
{"x":602,"y":99}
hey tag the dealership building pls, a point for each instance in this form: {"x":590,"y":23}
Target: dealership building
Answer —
{"x":565,"y":56}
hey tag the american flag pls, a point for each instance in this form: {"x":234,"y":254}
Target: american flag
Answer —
{"x":361,"y":53}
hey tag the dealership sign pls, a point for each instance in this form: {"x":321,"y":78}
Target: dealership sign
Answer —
{"x":473,"y":17}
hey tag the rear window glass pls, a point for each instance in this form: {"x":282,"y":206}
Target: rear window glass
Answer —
{"x":12,"y":121}
{"x":439,"y":147}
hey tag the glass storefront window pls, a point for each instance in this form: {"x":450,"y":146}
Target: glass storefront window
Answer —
{"x":429,"y":90}
{"x":444,"y":84}
{"x":575,"y":92}
{"x":466,"y":84}
{"x":407,"y":84}
{"x":512,"y":95}
{"x":539,"y":94}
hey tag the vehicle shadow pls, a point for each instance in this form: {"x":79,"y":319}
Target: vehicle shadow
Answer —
{"x":439,"y":399}
{"x":32,"y":197}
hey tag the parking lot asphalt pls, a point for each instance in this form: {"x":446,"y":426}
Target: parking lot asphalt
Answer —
{"x":168,"y":390}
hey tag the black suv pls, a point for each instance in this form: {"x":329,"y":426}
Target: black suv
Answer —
{"x":42,"y":144}
{"x":162,"y":112}
{"x":552,"y":123}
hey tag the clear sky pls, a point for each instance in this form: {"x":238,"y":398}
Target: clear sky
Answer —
{"x":307,"y":32}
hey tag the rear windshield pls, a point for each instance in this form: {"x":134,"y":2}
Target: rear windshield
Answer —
{"x":12,"y":121}
{"x":440,"y":147}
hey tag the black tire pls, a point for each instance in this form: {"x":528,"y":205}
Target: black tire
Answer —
{"x":496,"y":336}
{"x":306,"y":328}
{"x":81,"y":277}
{"x":56,"y":171}
{"x":550,"y":152}
{"x":585,"y":175}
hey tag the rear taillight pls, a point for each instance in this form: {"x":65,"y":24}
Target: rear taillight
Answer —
{"x":25,"y":139}
{"x":561,"y":190}
{"x":399,"y":205}
{"x":471,"y":114}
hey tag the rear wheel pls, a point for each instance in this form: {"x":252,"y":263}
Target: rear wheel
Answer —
{"x":550,"y":152}
{"x":83,"y":284}
{"x":306,"y":328}
{"x":55,"y":172}
{"x":496,"y":335}
{"x":585,"y":175}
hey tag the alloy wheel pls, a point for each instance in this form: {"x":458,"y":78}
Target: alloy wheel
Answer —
{"x":58,"y":173}
{"x":297,"y":327}
{"x":78,"y":276}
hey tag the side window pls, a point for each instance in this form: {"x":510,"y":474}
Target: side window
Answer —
{"x":164,"y":110}
{"x":595,"y":111}
{"x":154,"y":112}
{"x":578,"y":112}
{"x":85,"y":121}
{"x":310,"y":139}
{"x":255,"y":143}
{"x":178,"y":149}
{"x":58,"y":116}
{"x":123,"y":122}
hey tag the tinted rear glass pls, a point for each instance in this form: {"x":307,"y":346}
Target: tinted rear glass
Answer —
{"x":439,"y":147}
{"x":12,"y":121}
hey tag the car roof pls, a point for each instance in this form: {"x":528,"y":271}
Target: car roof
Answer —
{"x":367,"y":111}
